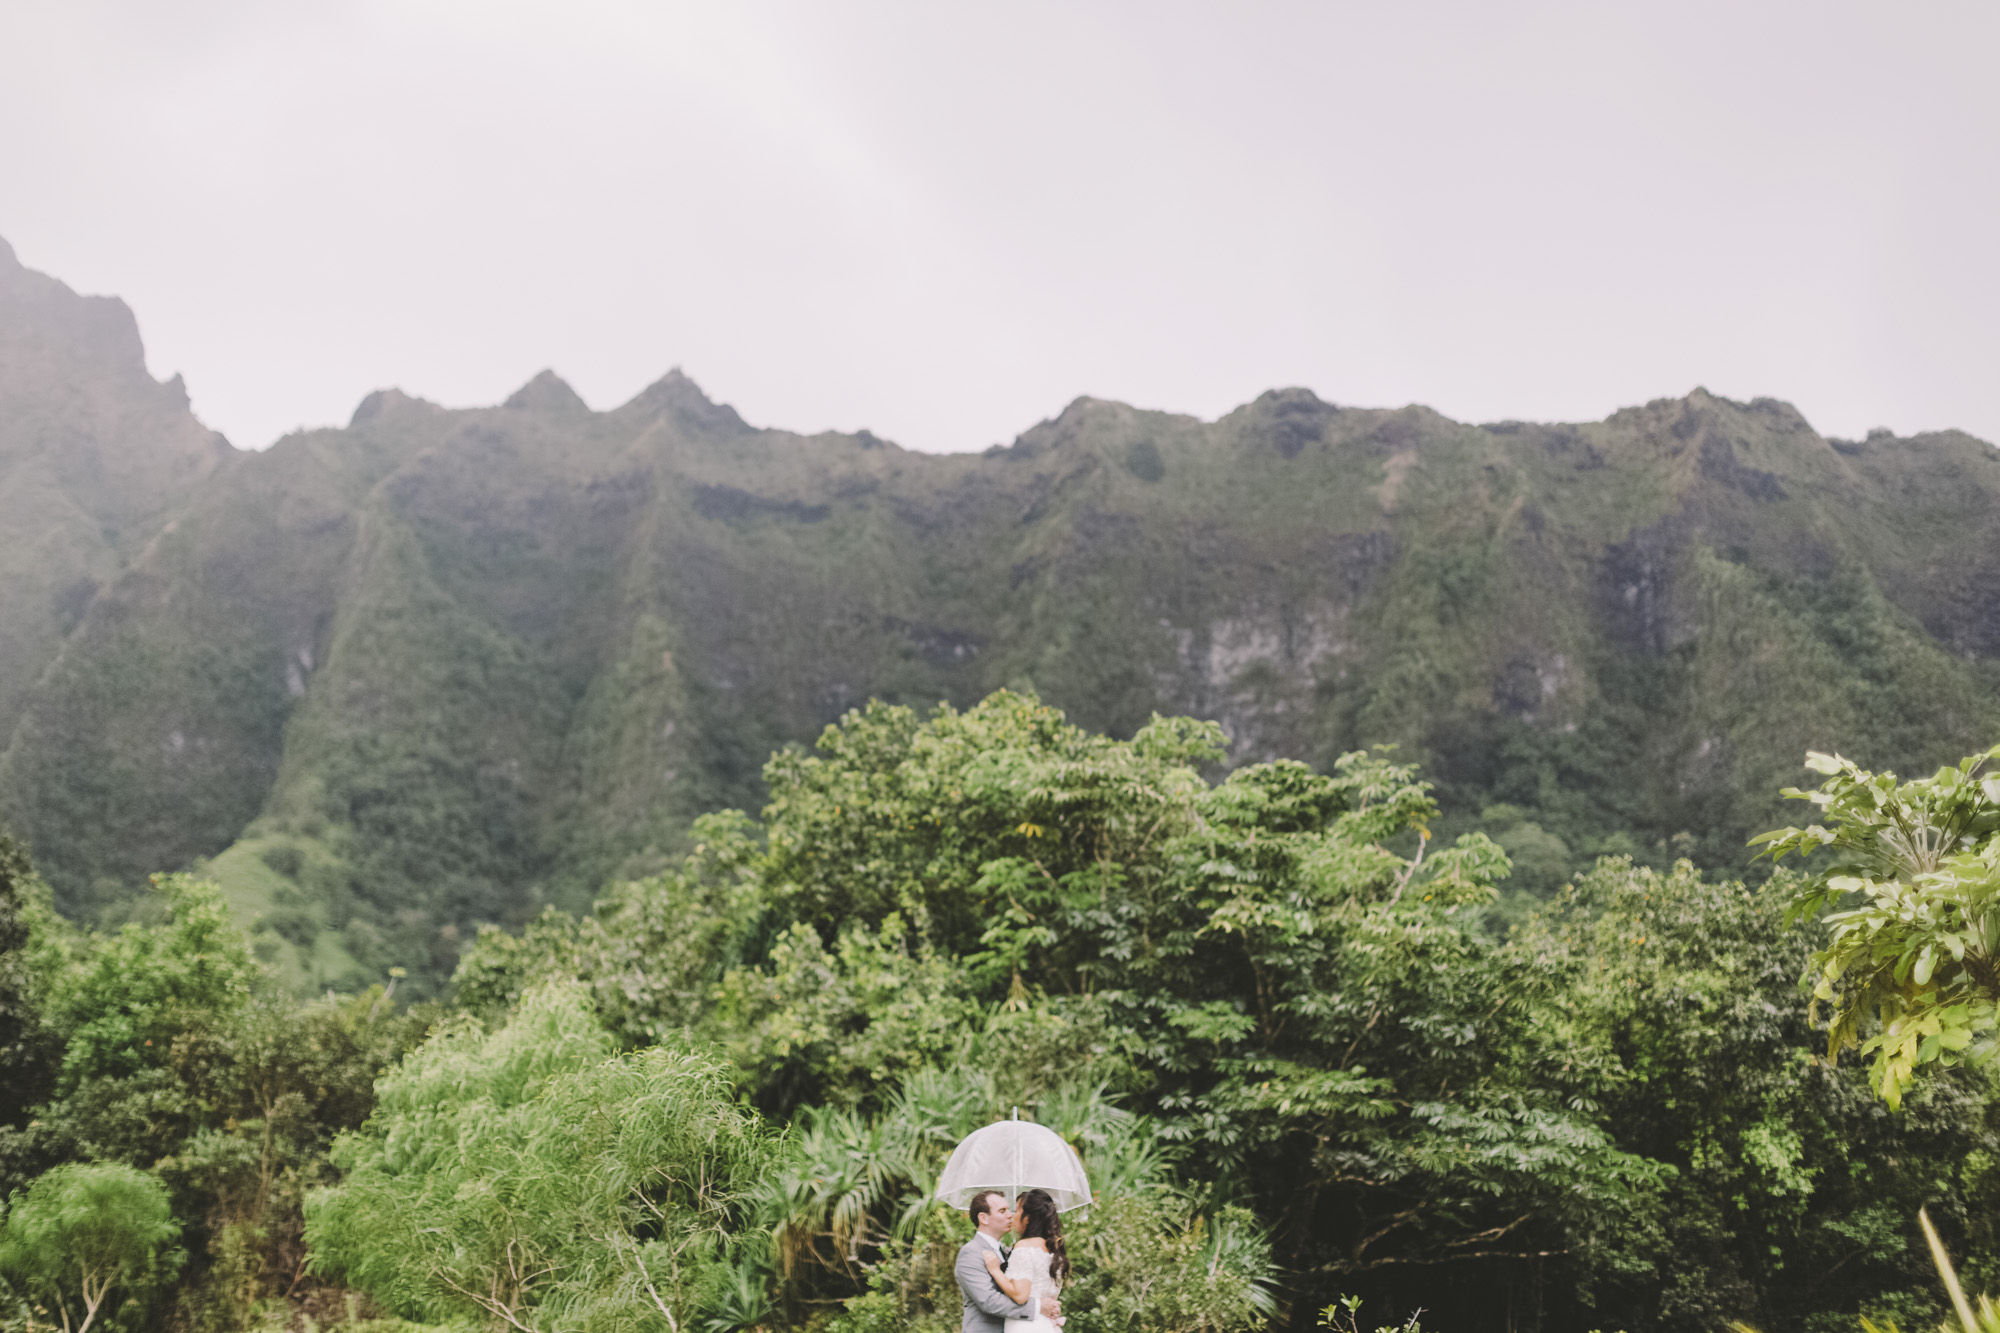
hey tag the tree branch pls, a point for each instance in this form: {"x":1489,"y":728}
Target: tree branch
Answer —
{"x":1441,"y":1259}
{"x":1491,"y":1233}
{"x":1403,"y":880}
{"x":91,"y":1303}
{"x":491,"y":1304}
{"x":672,"y":1323}
{"x":1396,"y":1220}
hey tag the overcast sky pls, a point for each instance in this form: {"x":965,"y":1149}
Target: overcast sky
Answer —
{"x":945,"y":221}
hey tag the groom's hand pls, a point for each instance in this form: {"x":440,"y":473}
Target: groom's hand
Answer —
{"x":1051,"y":1306}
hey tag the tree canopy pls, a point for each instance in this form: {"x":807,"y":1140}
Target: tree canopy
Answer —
{"x":87,"y":1234}
{"x":1310,"y":1006}
{"x":533,"y":1178}
{"x":1910,"y":972}
{"x":1305,"y":1046}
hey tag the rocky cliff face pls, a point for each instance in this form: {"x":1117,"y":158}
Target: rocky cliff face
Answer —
{"x":441,"y":666}
{"x":95,"y":457}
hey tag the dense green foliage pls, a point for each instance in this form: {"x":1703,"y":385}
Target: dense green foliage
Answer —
{"x":1608,"y":1114}
{"x":1915,"y":954}
{"x":85,"y":1235}
{"x":164,"y":1047}
{"x":397,"y":703}
{"x":851,"y":1204}
{"x":531,"y":1178}
{"x":440,"y":668}
{"x":1306,"y":1046}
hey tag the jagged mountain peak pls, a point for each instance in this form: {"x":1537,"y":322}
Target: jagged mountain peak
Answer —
{"x":1291,"y":396}
{"x":387,"y":402}
{"x":547,"y":392}
{"x":96,"y":458}
{"x":450,"y":661}
{"x":44,"y":321}
{"x":675,"y":394}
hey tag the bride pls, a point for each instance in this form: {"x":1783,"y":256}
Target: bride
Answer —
{"x":1038,"y":1266}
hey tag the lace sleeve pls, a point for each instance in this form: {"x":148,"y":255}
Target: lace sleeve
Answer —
{"x":1034,"y":1265}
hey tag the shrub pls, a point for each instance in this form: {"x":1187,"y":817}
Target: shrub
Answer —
{"x":87,"y":1234}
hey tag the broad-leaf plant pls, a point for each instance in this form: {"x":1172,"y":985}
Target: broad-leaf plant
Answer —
{"x":1910,"y":970}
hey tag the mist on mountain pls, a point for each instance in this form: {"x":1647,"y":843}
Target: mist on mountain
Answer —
{"x":441,"y":667}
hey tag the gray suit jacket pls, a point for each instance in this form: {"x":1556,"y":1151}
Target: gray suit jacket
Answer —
{"x":985,"y":1304}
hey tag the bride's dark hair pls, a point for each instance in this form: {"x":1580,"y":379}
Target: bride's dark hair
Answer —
{"x":1039,"y":1218}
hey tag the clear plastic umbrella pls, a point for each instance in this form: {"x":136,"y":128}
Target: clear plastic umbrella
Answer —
{"x":1012,"y":1156}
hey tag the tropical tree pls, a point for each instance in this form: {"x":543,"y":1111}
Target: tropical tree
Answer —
{"x":28,"y":1051}
{"x":532,"y":1178}
{"x":1279,"y":991}
{"x":1910,"y":972}
{"x":1280,"y":971}
{"x":652,"y":953}
{"x":85,"y":1234}
{"x":164,"y":1045}
{"x":1668,"y":1004}
{"x":142,"y":1017}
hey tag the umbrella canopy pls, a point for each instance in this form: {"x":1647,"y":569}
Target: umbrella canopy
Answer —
{"x":1013,"y":1156}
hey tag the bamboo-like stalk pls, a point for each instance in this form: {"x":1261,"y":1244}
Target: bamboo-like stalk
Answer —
{"x":1944,"y":1267}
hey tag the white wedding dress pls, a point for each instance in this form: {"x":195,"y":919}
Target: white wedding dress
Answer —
{"x":1032,"y":1262}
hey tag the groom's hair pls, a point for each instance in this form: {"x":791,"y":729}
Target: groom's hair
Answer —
{"x":980,"y":1207}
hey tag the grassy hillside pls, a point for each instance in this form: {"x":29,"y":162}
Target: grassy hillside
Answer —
{"x":442,"y":667}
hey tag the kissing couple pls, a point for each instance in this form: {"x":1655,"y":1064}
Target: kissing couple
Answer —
{"x":1012,"y":1290}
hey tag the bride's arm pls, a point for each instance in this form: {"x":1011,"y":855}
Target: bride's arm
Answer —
{"x":1018,"y":1289}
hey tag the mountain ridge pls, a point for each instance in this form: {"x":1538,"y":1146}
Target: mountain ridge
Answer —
{"x":95,"y":455}
{"x":441,"y":666}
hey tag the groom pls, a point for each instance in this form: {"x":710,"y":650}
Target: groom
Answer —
{"x":985,"y":1304}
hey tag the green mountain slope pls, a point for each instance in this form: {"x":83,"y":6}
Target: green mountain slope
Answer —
{"x":95,"y":457}
{"x":444,"y":666}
